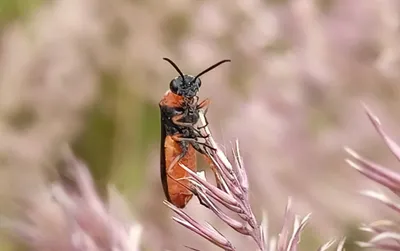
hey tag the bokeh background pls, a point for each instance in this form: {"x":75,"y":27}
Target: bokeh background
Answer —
{"x":90,"y":73}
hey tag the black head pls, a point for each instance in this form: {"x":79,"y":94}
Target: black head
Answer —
{"x":187,"y":85}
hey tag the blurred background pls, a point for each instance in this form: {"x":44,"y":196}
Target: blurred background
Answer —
{"x":90,"y":73}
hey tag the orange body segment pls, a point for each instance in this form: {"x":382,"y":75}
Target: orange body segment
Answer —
{"x":171,"y":100}
{"x":178,"y":192}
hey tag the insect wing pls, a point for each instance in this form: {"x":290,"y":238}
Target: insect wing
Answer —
{"x":163,"y":168}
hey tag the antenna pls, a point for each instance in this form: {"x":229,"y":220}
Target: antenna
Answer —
{"x":210,"y":68}
{"x":176,"y":67}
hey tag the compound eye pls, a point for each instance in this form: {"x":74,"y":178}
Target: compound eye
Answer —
{"x":198,"y":82}
{"x":174,"y":86}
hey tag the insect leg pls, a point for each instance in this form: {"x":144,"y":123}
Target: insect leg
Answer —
{"x":204,"y":104}
{"x":194,"y":141}
{"x":204,"y":126}
{"x":184,"y":148}
{"x":197,"y":147}
{"x":198,"y":132}
{"x":176,"y":121}
{"x":208,"y":159}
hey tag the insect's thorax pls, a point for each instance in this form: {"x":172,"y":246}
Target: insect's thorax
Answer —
{"x":174,"y":105}
{"x":172,"y":100}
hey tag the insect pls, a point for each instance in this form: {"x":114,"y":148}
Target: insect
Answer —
{"x":179,"y":136}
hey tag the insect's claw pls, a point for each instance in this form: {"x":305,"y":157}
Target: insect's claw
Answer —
{"x":203,"y":126}
{"x":200,"y":200}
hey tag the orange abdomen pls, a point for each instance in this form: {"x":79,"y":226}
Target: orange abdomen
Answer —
{"x":178,"y":193}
